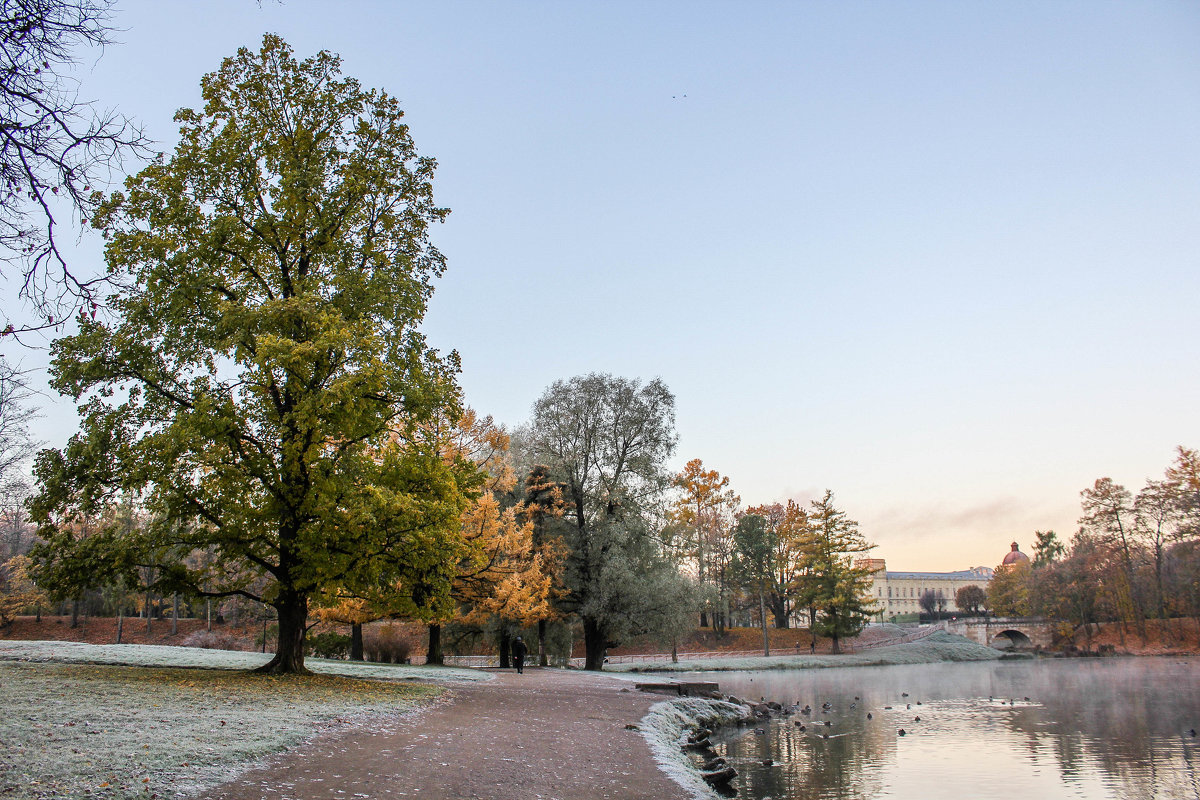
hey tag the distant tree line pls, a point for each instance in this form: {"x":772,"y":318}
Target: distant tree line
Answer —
{"x":1134,"y":557}
{"x":265,"y":431}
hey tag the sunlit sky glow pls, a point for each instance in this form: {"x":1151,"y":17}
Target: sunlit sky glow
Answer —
{"x":938,"y":257}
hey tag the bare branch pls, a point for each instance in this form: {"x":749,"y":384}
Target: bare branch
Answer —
{"x":55,"y":150}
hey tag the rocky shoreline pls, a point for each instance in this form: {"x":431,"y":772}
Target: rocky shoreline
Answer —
{"x":675,"y":730}
{"x":679,"y":734}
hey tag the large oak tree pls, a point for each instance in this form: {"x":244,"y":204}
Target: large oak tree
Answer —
{"x":264,"y":390}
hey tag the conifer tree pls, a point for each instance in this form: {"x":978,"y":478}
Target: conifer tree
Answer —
{"x":841,"y":589}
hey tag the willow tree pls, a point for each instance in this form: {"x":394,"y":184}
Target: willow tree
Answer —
{"x":605,"y":441}
{"x":263,"y":388}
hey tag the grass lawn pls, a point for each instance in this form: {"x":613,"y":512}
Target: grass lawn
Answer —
{"x":74,"y":730}
{"x":935,"y":648}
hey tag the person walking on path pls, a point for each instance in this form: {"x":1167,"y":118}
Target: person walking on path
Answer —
{"x":518,"y":653}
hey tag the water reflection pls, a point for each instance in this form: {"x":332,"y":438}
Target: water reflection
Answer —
{"x":1112,"y":728}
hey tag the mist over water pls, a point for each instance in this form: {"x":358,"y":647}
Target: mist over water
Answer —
{"x":1049,"y":728}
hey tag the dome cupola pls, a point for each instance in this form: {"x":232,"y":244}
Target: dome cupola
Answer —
{"x":1015,"y":556}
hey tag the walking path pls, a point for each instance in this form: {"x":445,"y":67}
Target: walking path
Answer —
{"x":546,"y":735}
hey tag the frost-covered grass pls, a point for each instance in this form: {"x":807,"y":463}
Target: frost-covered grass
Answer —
{"x":666,"y":727}
{"x":126,"y":721}
{"x":940,"y":646}
{"x":83,"y":730}
{"x":147,"y":655}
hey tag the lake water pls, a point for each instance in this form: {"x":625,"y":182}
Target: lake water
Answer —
{"x":1048,"y":728}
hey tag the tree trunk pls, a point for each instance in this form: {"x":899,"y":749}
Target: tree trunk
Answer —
{"x":175,"y":613}
{"x":703,"y":619}
{"x":434,"y":654}
{"x":75,"y":613}
{"x":762,"y":618}
{"x":779,"y":610}
{"x":593,"y":645}
{"x":120,"y":620}
{"x":836,"y":647}
{"x":149,"y":612}
{"x":505,"y":649}
{"x":356,"y":641}
{"x":674,"y":650}
{"x":292,"y":609}
{"x":208,"y":613}
{"x":543,"y":660}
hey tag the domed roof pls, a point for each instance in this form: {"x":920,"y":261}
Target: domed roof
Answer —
{"x":1015,"y":556}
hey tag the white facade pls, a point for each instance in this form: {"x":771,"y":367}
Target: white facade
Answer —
{"x":898,"y":593}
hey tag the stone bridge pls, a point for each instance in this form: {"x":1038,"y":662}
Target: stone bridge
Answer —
{"x":1005,"y":632}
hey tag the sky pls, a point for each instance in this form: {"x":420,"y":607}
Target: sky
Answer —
{"x":938,"y":257}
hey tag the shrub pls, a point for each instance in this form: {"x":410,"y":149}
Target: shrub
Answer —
{"x":560,"y":639}
{"x":386,"y":645}
{"x":212,"y":640}
{"x":328,"y":645}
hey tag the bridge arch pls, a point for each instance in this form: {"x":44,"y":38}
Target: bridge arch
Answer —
{"x":1010,"y":638}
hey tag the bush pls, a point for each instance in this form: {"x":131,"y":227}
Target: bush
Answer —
{"x":386,"y":645}
{"x":560,"y":639}
{"x":328,"y":645}
{"x":211,"y":640}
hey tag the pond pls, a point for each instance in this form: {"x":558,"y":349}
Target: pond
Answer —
{"x":1046,"y":728}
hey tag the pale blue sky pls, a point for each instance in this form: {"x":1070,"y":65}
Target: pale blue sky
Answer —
{"x":938,"y":257}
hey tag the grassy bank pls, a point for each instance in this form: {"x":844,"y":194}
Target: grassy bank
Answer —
{"x":937,"y":647}
{"x":139,"y":655}
{"x":127,"y":721}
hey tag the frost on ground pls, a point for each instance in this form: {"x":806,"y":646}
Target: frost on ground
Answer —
{"x":148,"y":655}
{"x":936,"y":647}
{"x":666,"y":727}
{"x":82,"y":729}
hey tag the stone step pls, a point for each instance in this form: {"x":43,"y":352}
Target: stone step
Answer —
{"x":682,"y":688}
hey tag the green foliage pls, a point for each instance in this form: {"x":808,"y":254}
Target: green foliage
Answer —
{"x":840,"y":590}
{"x":1047,"y":548}
{"x":1008,"y":591}
{"x":970,"y":599}
{"x":329,"y":645}
{"x":560,"y":640}
{"x":264,"y":388}
{"x":754,"y":552}
{"x":605,"y":441}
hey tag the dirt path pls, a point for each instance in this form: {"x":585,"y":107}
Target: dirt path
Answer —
{"x":548,"y":734}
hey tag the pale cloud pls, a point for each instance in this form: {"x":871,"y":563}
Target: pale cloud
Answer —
{"x":949,"y":536}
